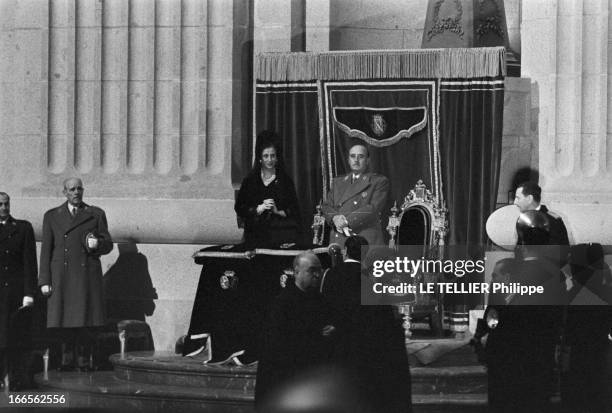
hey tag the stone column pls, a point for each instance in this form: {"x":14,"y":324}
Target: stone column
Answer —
{"x":565,"y":53}
{"x":272,"y":22}
{"x":317,"y":25}
{"x":142,"y":99}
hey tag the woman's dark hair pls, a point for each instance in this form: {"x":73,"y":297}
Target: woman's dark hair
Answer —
{"x":267,"y":139}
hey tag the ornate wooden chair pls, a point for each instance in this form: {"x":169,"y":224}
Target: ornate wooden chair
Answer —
{"x":421,"y":221}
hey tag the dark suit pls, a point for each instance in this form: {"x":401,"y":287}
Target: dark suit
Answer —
{"x":342,"y":290}
{"x":558,"y":236}
{"x":17,"y":279}
{"x":520,"y":350}
{"x":292,"y":341}
{"x":361,"y":202}
{"x":370,"y":342}
{"x":558,"y":232}
{"x":71,"y":268}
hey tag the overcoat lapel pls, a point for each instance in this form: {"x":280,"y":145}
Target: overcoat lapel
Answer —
{"x":67,"y":222}
{"x":8,"y":229}
{"x":83,"y":215}
{"x":63,"y":217}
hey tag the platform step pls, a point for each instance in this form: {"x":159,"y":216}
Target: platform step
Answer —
{"x":171,"y":370}
{"x":163,"y":381}
{"x":105,"y":390}
{"x":455,"y":403}
{"x":460,"y":380}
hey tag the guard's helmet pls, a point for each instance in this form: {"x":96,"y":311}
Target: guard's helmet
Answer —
{"x":533,"y":228}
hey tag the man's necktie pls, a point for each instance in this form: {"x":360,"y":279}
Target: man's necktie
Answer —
{"x":73,"y":212}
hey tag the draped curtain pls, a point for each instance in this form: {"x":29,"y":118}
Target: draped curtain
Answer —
{"x":291,"y":111}
{"x":471,"y":130}
{"x":392,"y":118}
{"x":293,"y":97}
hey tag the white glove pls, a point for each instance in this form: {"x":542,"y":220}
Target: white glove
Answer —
{"x":27,"y":301}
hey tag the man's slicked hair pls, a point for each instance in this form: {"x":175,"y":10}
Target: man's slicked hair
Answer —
{"x":6,"y":195}
{"x":531,"y":188}
{"x":354,"y":245}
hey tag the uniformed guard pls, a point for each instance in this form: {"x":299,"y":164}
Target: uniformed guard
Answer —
{"x":17,"y":290}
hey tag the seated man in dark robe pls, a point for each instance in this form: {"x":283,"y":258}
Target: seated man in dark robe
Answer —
{"x":296,"y":335}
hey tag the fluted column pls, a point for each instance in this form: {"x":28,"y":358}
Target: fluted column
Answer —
{"x":60,"y":140}
{"x":317,"y":25}
{"x":194,"y":66}
{"x":115,"y":38}
{"x":272,"y":26}
{"x":565,"y":52}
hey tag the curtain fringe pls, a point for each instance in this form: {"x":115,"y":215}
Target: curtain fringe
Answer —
{"x":382,"y":64}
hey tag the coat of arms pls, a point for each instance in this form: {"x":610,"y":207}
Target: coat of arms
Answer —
{"x":378,"y":125}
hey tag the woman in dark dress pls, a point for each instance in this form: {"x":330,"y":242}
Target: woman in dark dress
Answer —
{"x":266,"y":203}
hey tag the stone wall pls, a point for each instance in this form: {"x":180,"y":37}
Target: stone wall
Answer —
{"x":393,"y":24}
{"x":143,"y":99}
{"x":565,"y":52}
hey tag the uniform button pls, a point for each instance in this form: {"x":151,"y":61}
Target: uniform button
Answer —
{"x":6,"y":268}
{"x":7,"y":251}
{"x":65,"y":236}
{"x":66,"y":249}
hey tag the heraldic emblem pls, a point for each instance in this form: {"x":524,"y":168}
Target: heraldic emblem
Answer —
{"x":378,"y":124}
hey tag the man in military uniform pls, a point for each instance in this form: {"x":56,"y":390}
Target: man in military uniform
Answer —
{"x":75,"y":235}
{"x":17,"y":288}
{"x":355,"y":200}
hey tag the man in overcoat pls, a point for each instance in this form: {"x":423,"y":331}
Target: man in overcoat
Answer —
{"x":17,"y":289}
{"x":356,"y":200}
{"x":75,"y":235}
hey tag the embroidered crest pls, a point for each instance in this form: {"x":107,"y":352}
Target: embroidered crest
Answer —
{"x":364,"y":194}
{"x":378,"y":125}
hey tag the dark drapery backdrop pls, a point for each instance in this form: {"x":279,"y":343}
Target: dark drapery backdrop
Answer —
{"x":471,"y":117}
{"x":291,"y":110}
{"x":403,"y":151}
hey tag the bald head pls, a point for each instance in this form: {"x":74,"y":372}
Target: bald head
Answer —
{"x":73,"y":190}
{"x":308,"y":271}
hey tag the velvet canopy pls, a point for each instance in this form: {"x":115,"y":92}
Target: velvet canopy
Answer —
{"x":430,"y":114}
